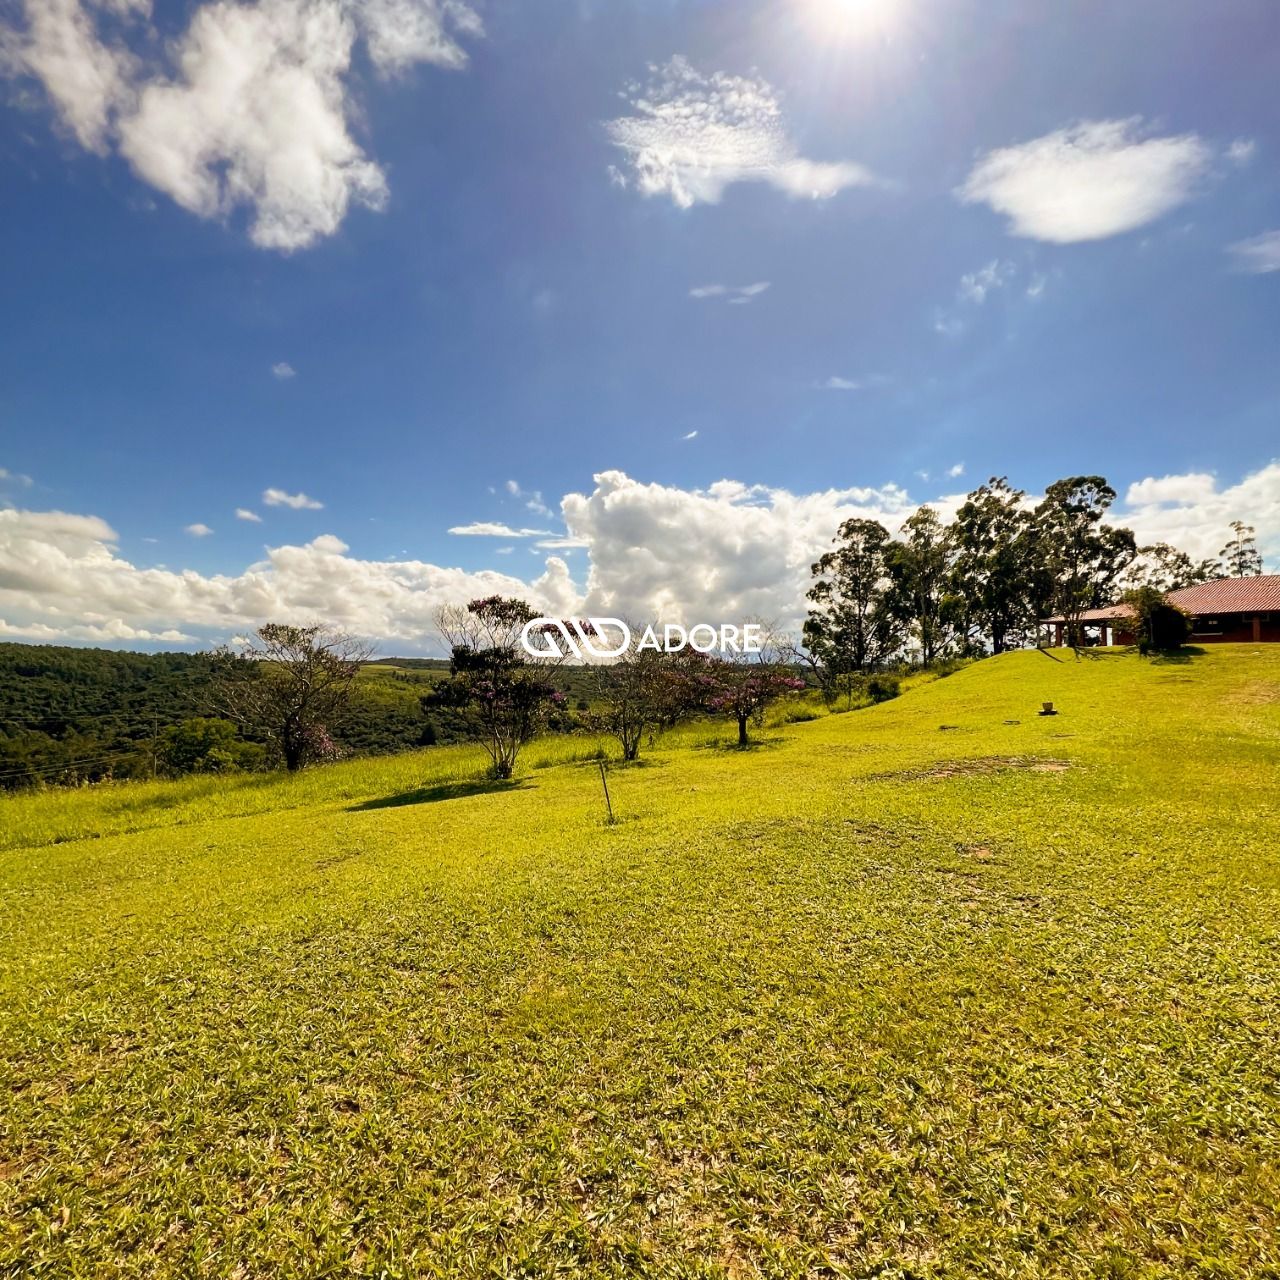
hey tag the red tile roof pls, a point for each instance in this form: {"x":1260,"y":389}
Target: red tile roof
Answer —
{"x":1260,"y":594}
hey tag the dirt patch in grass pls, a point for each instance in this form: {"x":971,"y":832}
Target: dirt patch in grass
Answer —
{"x":1258,"y":693}
{"x":976,"y":766}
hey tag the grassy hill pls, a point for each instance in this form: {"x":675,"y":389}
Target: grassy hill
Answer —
{"x":937,"y":988}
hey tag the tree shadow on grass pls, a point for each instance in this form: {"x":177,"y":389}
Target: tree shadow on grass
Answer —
{"x":735,"y":747}
{"x":1177,"y":657}
{"x":441,"y":791}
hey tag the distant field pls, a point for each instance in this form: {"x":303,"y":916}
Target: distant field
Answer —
{"x":937,"y":988}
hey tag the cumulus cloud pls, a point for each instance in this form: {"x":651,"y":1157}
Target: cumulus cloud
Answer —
{"x":1089,"y":181}
{"x":62,"y":577}
{"x":248,"y":108}
{"x":1259,"y":254}
{"x":719,"y":554}
{"x":243,"y":513}
{"x":198,"y":530}
{"x":690,"y":136}
{"x":1193,"y":511}
{"x":734,"y":294}
{"x":724,"y":553}
{"x":283,"y":370}
{"x":298,"y":501}
{"x":955,"y":471}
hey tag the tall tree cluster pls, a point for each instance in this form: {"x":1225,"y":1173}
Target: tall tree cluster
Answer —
{"x":981,"y":583}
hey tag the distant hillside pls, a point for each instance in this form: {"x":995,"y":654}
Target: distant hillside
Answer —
{"x":70,"y":715}
{"x":77,"y":715}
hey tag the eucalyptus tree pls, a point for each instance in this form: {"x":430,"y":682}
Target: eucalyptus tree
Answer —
{"x":1083,"y":557}
{"x":852,"y":625}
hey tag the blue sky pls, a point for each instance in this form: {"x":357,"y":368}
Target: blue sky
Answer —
{"x":497,"y":252}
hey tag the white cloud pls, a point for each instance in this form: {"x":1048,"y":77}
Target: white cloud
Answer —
{"x":283,"y":370}
{"x":1259,"y":254}
{"x":1036,"y":285}
{"x":15,"y":477}
{"x":561,"y":544}
{"x":1241,"y":151}
{"x":720,"y":554}
{"x":403,"y":32}
{"x":86,"y":80}
{"x":532,"y":498}
{"x":257,"y":116}
{"x":974,"y":289}
{"x":955,"y":471}
{"x":1193,"y":511}
{"x":1089,"y":181}
{"x":198,"y":530}
{"x":243,"y":513}
{"x":248,"y":107}
{"x":691,"y":135}
{"x":1191,"y":487}
{"x":723,"y":553}
{"x":734,"y":294}
{"x":492,"y":529}
{"x":976,"y":285}
{"x":61,"y":577}
{"x":689,"y":435}
{"x":298,"y":501}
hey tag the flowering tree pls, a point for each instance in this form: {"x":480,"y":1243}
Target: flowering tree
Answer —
{"x":504,"y":694}
{"x":741,"y":690}
{"x":290,"y":685}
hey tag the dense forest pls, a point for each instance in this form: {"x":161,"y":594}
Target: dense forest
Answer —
{"x":72,"y":715}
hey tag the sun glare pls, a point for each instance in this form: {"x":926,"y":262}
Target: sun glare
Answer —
{"x":856,"y":20}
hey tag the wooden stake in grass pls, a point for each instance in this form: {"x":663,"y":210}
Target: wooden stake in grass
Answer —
{"x":604,"y":782}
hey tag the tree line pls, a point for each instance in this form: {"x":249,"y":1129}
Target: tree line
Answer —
{"x":982,"y":582}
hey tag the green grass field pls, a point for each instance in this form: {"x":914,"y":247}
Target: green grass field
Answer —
{"x":936,"y":988}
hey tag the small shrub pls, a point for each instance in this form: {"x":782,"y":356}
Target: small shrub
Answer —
{"x":882,"y":687}
{"x":799,"y":715}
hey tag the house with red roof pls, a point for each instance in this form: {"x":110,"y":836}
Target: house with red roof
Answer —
{"x":1227,"y":610}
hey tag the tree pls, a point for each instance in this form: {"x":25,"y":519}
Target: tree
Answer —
{"x":741,"y":689}
{"x":290,"y":687}
{"x":851,"y":625}
{"x":997,"y":575}
{"x":1157,"y":623}
{"x":918,"y":569}
{"x":1240,"y":557}
{"x":1167,"y":569}
{"x":203,"y":744}
{"x":503,"y":694}
{"x":1083,"y":556}
{"x":642,"y":691}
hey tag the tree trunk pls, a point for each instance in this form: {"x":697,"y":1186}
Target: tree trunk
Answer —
{"x":742,"y":731}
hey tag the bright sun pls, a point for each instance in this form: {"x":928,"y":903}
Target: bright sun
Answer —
{"x":856,"y":19}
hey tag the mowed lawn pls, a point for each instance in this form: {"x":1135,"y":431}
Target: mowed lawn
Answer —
{"x":937,"y":988}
